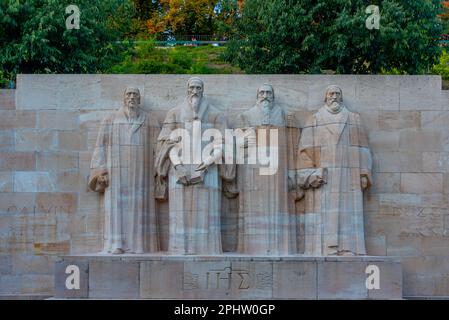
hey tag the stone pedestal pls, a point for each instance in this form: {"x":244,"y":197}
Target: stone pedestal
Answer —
{"x":228,"y":277}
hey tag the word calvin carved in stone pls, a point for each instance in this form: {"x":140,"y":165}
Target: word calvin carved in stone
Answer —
{"x":40,"y":209}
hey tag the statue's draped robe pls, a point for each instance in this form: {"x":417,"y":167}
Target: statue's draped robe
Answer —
{"x":194,"y":210}
{"x":337,"y":146}
{"x":266,"y":227}
{"x":124,"y":150}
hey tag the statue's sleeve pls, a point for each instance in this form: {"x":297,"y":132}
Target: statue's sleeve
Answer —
{"x":167,"y":127}
{"x":98,"y":165}
{"x":308,"y":162}
{"x":228,"y":171}
{"x":293,"y":134}
{"x":162,"y":158}
{"x":164,"y":145}
{"x":241,"y":121}
{"x":221,"y":124}
{"x":359,"y":138}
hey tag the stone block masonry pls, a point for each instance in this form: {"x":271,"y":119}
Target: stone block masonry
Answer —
{"x":49,"y":124}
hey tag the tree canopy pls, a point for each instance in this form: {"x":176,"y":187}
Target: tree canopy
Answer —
{"x":186,"y":17}
{"x":445,"y":15}
{"x":268,"y":36}
{"x":293,"y":36}
{"x":35,"y":39}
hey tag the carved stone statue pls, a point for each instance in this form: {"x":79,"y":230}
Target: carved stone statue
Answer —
{"x":121,"y":168}
{"x":193,"y":179}
{"x":335,"y":169}
{"x":265,"y":225}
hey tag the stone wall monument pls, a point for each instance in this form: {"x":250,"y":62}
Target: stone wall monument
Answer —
{"x":49,"y":215}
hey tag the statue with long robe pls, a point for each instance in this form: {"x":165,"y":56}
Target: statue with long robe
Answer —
{"x":266,"y":227}
{"x":335,"y":169}
{"x":122,"y":169}
{"x":190,"y":177}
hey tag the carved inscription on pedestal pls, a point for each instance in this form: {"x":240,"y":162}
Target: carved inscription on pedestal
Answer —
{"x":227,"y":279}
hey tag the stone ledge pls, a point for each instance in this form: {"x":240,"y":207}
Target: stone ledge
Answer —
{"x":426,"y":297}
{"x":225,"y":256}
{"x":155,"y":276}
{"x":25,"y":296}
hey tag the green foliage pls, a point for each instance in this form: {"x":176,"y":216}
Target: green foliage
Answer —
{"x":35,"y":39}
{"x":184,"y":17}
{"x":294,"y":36}
{"x":146,"y":58}
{"x":392,"y":72}
{"x":442,"y":68}
{"x":145,"y":8}
{"x":3,"y":80}
{"x":228,"y":13}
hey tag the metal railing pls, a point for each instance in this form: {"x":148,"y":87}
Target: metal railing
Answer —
{"x":169,"y":39}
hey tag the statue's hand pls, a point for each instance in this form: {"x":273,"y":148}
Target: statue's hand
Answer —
{"x":103,"y":180}
{"x":364,"y":183}
{"x":201,"y":167}
{"x":292,"y":184}
{"x":316,"y":181}
{"x":182,"y":175}
{"x":300,"y":193}
{"x":174,"y":140}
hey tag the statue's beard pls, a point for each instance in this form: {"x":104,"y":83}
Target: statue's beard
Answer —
{"x":194,"y":101}
{"x":334,"y":106}
{"x":133,"y":109}
{"x":265,"y":103}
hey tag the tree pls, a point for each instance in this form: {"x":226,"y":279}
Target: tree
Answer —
{"x":445,"y":15}
{"x":35,"y":39}
{"x":144,"y":11}
{"x":293,"y":36}
{"x":184,"y":17}
{"x":145,"y":8}
{"x":228,"y":12}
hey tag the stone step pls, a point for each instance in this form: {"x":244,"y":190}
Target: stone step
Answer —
{"x":153,"y":276}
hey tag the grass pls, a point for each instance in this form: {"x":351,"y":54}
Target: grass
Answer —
{"x":147,"y":58}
